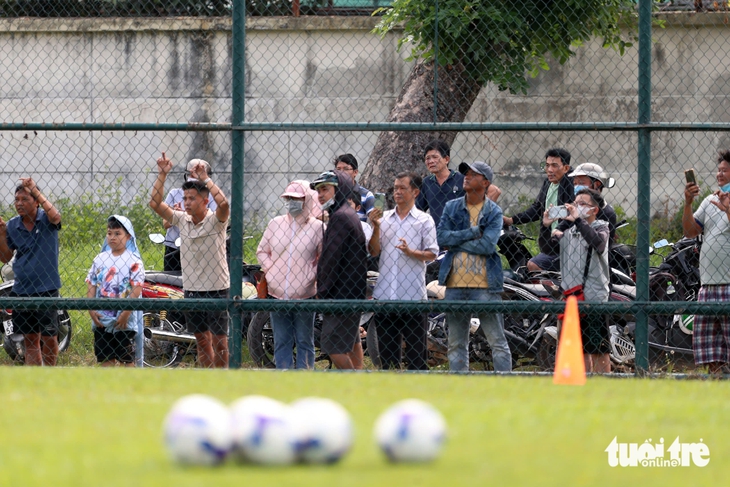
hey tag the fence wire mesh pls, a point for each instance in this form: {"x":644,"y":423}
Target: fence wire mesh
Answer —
{"x":316,"y":74}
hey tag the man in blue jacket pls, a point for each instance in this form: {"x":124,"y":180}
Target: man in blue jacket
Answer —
{"x":472,"y":269}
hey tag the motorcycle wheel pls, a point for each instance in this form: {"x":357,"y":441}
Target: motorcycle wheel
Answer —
{"x":546,"y":353}
{"x":16,"y":350}
{"x":161,"y":353}
{"x":260,"y":338}
{"x":371,"y":347}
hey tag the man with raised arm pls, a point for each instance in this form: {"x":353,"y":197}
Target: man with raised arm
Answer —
{"x":203,"y":255}
{"x":33,"y":236}
{"x":711,"y":335}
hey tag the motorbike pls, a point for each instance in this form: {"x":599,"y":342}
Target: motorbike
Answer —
{"x":166,"y":339}
{"x":677,"y":278}
{"x":12,"y":342}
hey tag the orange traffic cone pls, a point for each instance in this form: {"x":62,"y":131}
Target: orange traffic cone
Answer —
{"x":569,"y":365}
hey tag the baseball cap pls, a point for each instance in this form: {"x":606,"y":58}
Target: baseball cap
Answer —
{"x":294,"y":190}
{"x":478,"y":167}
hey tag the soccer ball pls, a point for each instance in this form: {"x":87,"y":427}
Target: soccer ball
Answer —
{"x":410,"y":431}
{"x":198,"y":430}
{"x":262,"y":431}
{"x":323,"y":429}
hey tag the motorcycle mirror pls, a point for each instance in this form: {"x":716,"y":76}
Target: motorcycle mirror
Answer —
{"x":611,"y":183}
{"x":157,"y":238}
{"x":661,"y":243}
{"x":178,"y":242}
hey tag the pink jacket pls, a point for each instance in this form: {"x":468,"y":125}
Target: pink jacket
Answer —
{"x":289,"y":250}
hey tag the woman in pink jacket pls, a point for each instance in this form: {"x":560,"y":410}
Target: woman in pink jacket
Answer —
{"x":288,"y":254}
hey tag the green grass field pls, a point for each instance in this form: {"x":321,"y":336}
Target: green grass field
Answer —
{"x":94,"y":427}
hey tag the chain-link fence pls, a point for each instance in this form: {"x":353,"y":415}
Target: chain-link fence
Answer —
{"x":96,"y":108}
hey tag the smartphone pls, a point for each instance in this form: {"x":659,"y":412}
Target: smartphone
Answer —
{"x":689,"y":175}
{"x":379,"y":201}
{"x":557,"y":212}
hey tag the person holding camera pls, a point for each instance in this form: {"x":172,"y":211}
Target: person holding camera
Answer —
{"x":711,"y":333}
{"x":585,"y":271}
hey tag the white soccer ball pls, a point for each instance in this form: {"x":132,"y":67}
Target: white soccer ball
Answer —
{"x":263,"y":431}
{"x":410,"y":431}
{"x":198,"y":430}
{"x":324,"y":430}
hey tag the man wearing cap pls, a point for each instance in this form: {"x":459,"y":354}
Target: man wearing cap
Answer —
{"x":443,"y":184}
{"x":174,"y":200}
{"x":472,"y":269}
{"x":404,"y":238}
{"x":33,"y":237}
{"x":288,"y":254}
{"x":202,"y":254}
{"x":556,"y":190}
{"x":341,"y":270}
{"x":348,"y":164}
{"x":590,"y":175}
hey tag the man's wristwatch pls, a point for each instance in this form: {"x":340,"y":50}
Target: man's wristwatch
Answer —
{"x":207,"y":181}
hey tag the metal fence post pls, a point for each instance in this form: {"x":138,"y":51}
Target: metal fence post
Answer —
{"x":238,"y":102}
{"x":644,"y":186}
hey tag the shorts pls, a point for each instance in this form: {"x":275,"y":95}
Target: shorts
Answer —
{"x":114,"y":346}
{"x":29,"y":321}
{"x":711,"y":333}
{"x":339,"y":333}
{"x":595,"y":335}
{"x":216,"y":322}
{"x":547,"y":262}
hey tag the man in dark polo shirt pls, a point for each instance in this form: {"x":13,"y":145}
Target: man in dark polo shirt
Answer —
{"x":33,"y":236}
{"x":443,"y":184}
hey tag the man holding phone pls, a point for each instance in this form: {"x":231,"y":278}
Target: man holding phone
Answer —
{"x":404,"y":238}
{"x":711,"y":334}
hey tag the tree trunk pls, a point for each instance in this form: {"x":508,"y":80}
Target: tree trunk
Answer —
{"x":403,"y":151}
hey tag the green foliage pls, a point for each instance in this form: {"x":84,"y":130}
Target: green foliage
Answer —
{"x":84,"y":218}
{"x":503,"y":42}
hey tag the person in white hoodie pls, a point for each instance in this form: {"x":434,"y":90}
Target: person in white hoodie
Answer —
{"x":288,"y":254}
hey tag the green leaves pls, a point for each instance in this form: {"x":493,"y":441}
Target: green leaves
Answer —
{"x":503,"y":42}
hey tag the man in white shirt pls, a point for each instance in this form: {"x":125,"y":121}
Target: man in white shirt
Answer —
{"x":405,"y":238}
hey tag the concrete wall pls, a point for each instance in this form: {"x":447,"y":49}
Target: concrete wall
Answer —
{"x":327,"y":69}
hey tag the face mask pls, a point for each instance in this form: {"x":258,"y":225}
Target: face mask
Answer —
{"x":327,"y":204}
{"x":726,"y":188}
{"x":580,"y":187}
{"x":584,"y":211}
{"x":295,"y":207}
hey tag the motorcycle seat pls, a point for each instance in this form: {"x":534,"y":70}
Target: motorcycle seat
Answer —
{"x":169,"y":278}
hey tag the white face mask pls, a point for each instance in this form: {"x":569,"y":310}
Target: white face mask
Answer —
{"x":295,"y":207}
{"x":584,"y":211}
{"x":327,"y":203}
